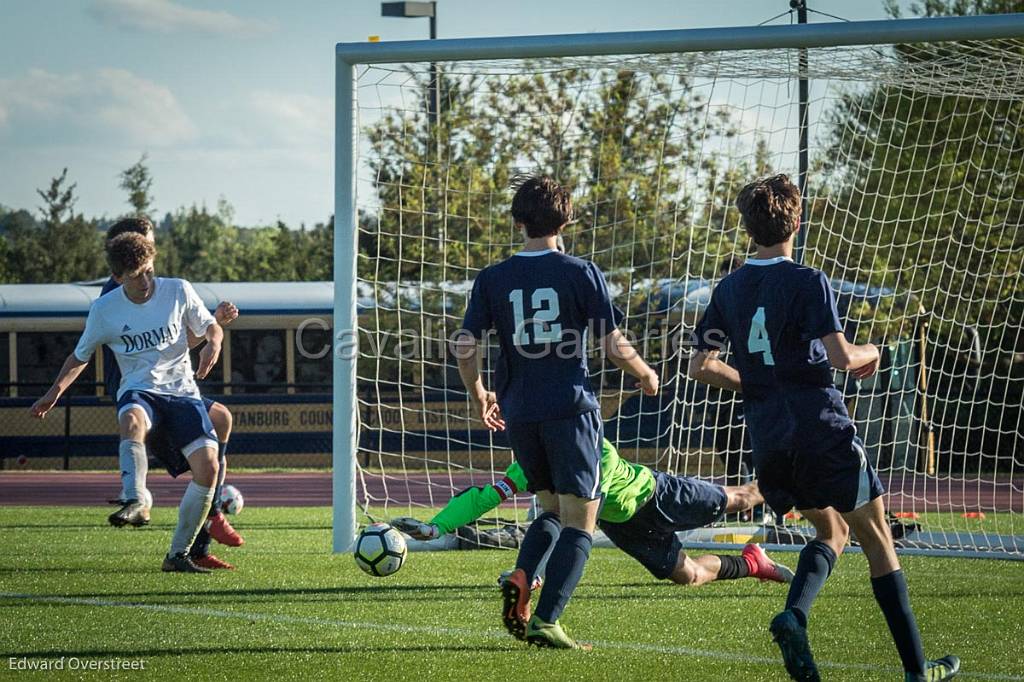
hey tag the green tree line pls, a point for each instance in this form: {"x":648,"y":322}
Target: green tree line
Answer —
{"x":58,"y":244}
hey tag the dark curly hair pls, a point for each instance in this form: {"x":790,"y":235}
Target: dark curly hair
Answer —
{"x":141,"y":226}
{"x":128,"y":252}
{"x":541,"y":205}
{"x":770,"y":208}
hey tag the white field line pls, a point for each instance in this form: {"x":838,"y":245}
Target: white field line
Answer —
{"x":448,"y":632}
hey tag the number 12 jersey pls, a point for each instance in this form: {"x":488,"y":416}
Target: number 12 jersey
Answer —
{"x":543,"y":305}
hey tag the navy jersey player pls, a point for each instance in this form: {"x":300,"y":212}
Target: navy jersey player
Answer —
{"x":543,"y":306}
{"x":133,"y":474}
{"x":781,"y":323}
{"x":144,"y":321}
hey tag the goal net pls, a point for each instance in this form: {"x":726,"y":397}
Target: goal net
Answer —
{"x":915,"y":204}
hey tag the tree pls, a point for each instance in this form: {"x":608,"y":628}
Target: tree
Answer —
{"x":137,"y":181}
{"x":63,"y":247}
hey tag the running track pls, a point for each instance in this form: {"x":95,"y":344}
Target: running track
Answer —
{"x":313,"y":489}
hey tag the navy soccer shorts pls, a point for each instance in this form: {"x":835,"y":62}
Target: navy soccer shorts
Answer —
{"x":561,"y":455}
{"x":805,"y":478}
{"x":177,"y":426}
{"x":679,"y":503}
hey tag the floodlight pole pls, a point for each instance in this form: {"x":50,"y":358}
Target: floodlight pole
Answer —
{"x":801,"y":238}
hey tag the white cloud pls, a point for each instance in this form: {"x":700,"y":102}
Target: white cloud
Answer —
{"x":164,"y":16}
{"x":109,"y":106}
{"x":292,"y":119}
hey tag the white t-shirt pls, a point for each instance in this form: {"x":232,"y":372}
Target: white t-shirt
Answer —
{"x":148,"y":339}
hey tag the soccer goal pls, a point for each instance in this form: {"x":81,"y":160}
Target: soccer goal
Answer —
{"x":906,"y":138}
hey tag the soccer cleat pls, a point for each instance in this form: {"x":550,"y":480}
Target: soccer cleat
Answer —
{"x":937,"y":671}
{"x":538,"y":581}
{"x":220,"y":530}
{"x":551,"y":635}
{"x":179,"y":563}
{"x":210,"y":561}
{"x":791,"y":637}
{"x":515,"y":610}
{"x":133,"y":513}
{"x":763,"y":568}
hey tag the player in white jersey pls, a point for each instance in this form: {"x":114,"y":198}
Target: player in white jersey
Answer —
{"x":135,"y":511}
{"x":144,"y":323}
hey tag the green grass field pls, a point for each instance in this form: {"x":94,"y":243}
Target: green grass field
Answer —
{"x":72,"y":587}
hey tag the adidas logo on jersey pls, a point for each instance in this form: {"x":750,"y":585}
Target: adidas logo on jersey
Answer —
{"x":126,"y":328}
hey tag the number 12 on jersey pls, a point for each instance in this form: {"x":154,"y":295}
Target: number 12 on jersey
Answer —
{"x":543,"y":326}
{"x":758,"y":341}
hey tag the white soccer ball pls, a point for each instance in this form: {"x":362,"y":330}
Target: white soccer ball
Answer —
{"x":231,"y":500}
{"x":380,"y":550}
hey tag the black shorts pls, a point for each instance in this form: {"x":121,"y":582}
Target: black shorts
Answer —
{"x":679,"y":503}
{"x":176,"y":425}
{"x":840,"y":477}
{"x":561,"y":455}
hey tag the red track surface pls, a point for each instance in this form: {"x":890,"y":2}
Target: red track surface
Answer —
{"x":313,"y":489}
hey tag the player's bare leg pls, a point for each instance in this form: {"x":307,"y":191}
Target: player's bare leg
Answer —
{"x":565,"y":568}
{"x":752,"y":563}
{"x":890,"y":588}
{"x":742,"y":497}
{"x":217,"y":525}
{"x":133,"y":424}
{"x":195,"y":504}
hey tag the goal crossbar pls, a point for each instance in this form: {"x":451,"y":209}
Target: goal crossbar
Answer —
{"x":350,"y":55}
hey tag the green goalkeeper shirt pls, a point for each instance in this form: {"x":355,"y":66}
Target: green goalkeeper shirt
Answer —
{"x":626,"y":488}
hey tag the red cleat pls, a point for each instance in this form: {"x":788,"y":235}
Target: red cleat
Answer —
{"x":210,"y":561}
{"x":221,"y":531}
{"x":515,"y":612}
{"x":763,"y":568}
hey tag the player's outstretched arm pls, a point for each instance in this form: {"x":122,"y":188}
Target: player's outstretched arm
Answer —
{"x":211,"y":351}
{"x":622,"y":354}
{"x":706,"y":368}
{"x":466,"y":352}
{"x":68,"y":373}
{"x":861,"y":360}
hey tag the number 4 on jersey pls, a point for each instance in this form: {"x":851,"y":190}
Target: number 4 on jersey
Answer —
{"x":758,"y":342}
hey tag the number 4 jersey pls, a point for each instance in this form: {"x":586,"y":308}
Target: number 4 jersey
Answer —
{"x":543,"y":306}
{"x":773,"y":313}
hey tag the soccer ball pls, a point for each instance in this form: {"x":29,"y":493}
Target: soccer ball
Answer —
{"x":231,"y":500}
{"x":380,"y":550}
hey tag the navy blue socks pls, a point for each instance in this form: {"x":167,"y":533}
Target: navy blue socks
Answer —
{"x":537,"y":544}
{"x":814,"y":567}
{"x":891,"y":594}
{"x":565,"y":568}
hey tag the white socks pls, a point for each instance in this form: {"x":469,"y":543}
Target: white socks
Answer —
{"x":195,"y":504}
{"x":134,"y":466}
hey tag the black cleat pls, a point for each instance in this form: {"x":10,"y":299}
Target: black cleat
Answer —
{"x":133,"y":513}
{"x":179,"y":563}
{"x":937,"y":671}
{"x":791,"y":637}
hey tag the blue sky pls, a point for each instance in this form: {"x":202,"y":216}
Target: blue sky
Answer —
{"x":234,"y":99}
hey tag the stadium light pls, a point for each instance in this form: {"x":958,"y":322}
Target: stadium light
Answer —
{"x":420,"y":9}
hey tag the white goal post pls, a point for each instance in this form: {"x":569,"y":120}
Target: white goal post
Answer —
{"x":355,"y":60}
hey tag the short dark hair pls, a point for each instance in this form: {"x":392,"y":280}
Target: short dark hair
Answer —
{"x":138,"y":225}
{"x":128,"y":252}
{"x":729,"y":263}
{"x":770,"y":208}
{"x":541,"y":205}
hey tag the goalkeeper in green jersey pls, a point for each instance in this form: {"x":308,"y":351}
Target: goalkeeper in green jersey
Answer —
{"x":642,"y":511}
